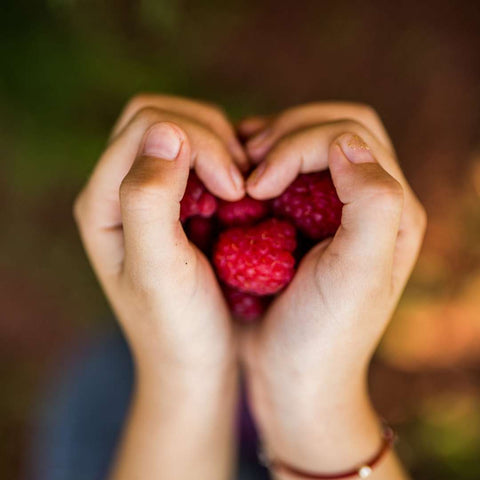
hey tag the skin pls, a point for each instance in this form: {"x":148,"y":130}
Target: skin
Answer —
{"x":162,"y":289}
{"x":306,"y":361}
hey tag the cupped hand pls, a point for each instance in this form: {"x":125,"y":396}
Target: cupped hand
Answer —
{"x":160,"y":286}
{"x":307,"y":360}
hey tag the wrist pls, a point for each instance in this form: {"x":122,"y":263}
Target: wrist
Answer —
{"x":157,"y":374}
{"x":182,"y":420}
{"x":185,"y":353}
{"x":307,"y":388}
{"x":190,"y":402}
{"x":381,"y":462}
{"x":326,"y":428}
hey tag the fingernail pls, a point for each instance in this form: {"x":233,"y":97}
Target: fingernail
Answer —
{"x":237,"y":178}
{"x":355,"y":149}
{"x":257,"y":174}
{"x":258,"y":139}
{"x":162,"y":142}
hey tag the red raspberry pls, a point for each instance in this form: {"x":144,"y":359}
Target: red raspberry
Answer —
{"x":311,"y":203}
{"x":200,"y":232}
{"x":257,"y":259}
{"x":197,"y":200}
{"x":245,"y":306}
{"x":245,"y":211}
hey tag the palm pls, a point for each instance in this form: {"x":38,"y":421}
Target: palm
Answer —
{"x":292,"y":320}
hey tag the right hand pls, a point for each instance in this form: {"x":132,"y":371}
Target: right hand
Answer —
{"x":162,"y":289}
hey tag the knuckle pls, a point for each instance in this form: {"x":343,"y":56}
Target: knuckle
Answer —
{"x":351,"y":125}
{"x":135,"y":198}
{"x":147,"y":114}
{"x":140,"y":100}
{"x":78,"y":207}
{"x":133,"y":191}
{"x":219,"y":112}
{"x":217,"y":116}
{"x":420,"y":218}
{"x":364,"y":115}
{"x":423,"y":220}
{"x":367,"y":112}
{"x":81,"y":209}
{"x":215,"y":109}
{"x":136,"y":102}
{"x":211,"y":145}
{"x":141,"y":189}
{"x":125,"y":190}
{"x":284,"y":145}
{"x":387,"y":191}
{"x":283,"y":118}
{"x":220,"y":117}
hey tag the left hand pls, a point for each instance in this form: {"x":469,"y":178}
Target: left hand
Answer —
{"x":307,"y":359}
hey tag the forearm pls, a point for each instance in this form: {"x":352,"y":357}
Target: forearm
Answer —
{"x":179,"y":427}
{"x":323,"y":430}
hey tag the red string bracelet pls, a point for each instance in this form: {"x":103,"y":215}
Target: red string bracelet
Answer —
{"x":362,"y":471}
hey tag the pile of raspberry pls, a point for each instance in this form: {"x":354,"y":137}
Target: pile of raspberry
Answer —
{"x":255,"y":245}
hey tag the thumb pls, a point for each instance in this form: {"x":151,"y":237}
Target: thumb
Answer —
{"x":150,"y":197}
{"x":373,"y":202}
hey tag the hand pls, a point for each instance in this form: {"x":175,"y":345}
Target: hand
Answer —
{"x":162,"y":288}
{"x":307,"y":360}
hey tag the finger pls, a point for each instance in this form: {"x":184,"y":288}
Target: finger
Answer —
{"x":209,"y":156}
{"x":412,"y":222}
{"x":307,"y":151}
{"x":210,"y":116}
{"x":373,"y":203}
{"x":97,"y":208}
{"x":150,"y":197}
{"x":250,"y":126}
{"x":409,"y":242}
{"x":306,"y":115}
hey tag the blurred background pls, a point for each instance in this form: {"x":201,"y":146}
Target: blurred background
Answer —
{"x":68,"y":67}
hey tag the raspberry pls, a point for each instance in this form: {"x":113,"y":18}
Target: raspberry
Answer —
{"x":245,"y":306}
{"x":257,"y":259}
{"x":197,"y":200}
{"x":245,"y":211}
{"x":200,"y":232}
{"x":311,"y":204}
